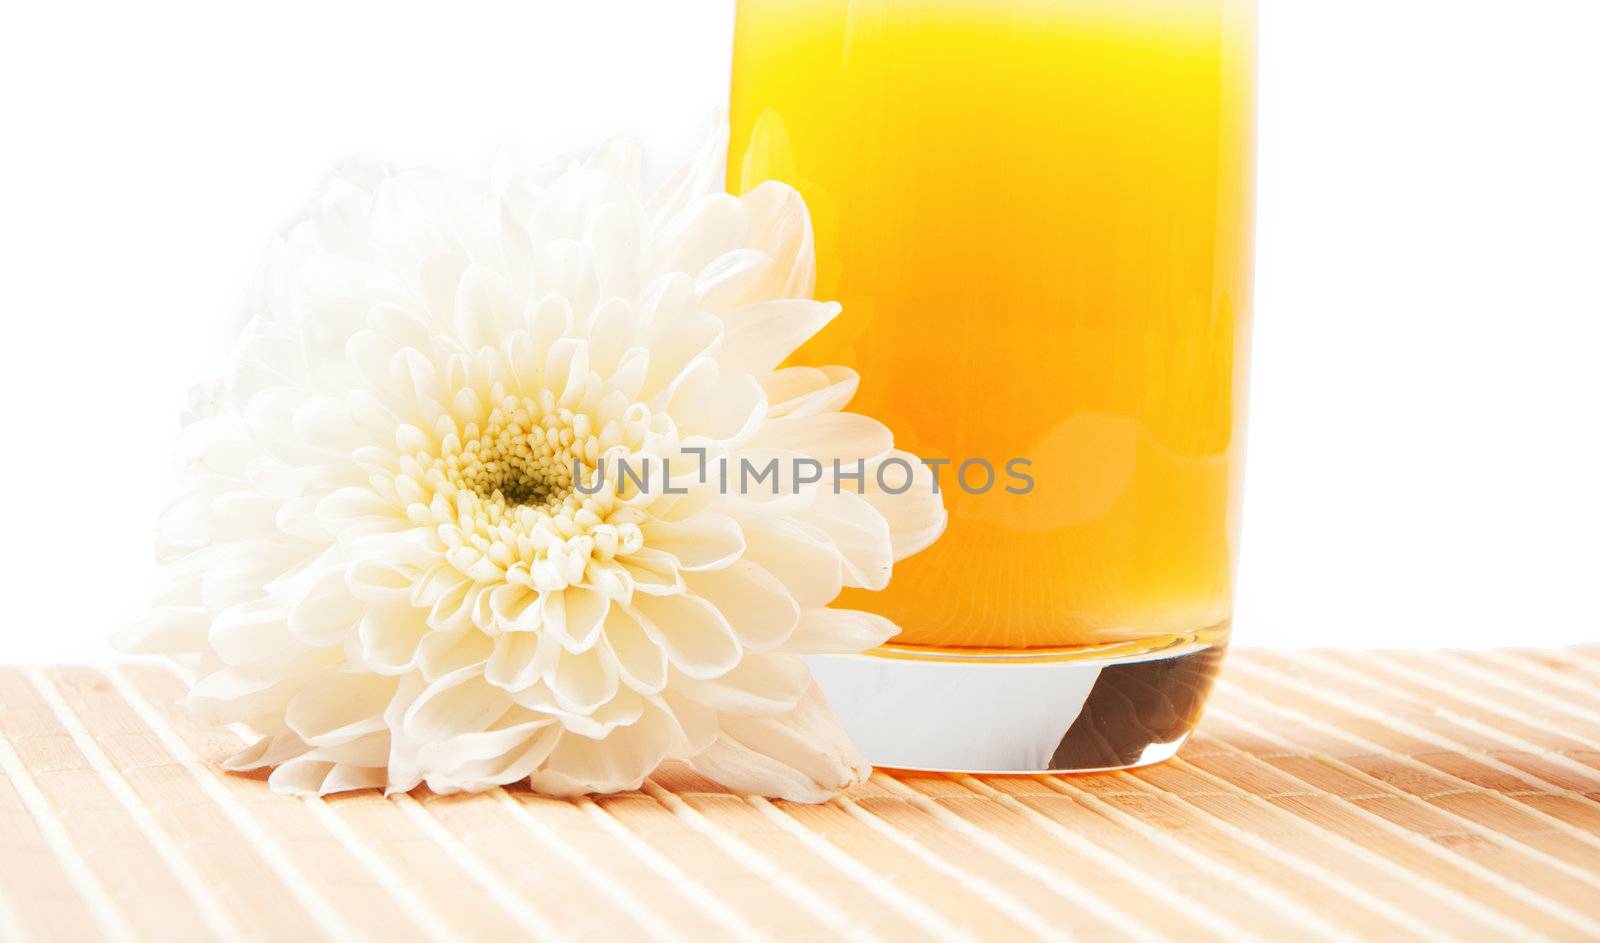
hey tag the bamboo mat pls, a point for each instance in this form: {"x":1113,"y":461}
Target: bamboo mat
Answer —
{"x":1403,"y":796}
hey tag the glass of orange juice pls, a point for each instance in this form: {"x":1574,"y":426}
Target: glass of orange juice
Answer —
{"x":1037,"y":215}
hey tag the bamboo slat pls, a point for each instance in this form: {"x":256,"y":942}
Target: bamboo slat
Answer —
{"x":1327,"y":796}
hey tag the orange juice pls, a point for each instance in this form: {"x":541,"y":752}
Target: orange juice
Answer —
{"x":1037,"y":215}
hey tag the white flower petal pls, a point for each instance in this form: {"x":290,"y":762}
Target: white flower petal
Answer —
{"x":339,"y":707}
{"x":756,"y":603}
{"x":807,"y":391}
{"x":165,"y":629}
{"x":711,"y":225}
{"x":701,"y":175}
{"x":698,"y":725}
{"x":574,"y":617}
{"x":308,"y":776}
{"x":730,"y":412}
{"x":697,"y":638}
{"x":652,"y":571}
{"x":565,"y":267}
{"x":619,"y":762}
{"x":802,"y":756}
{"x":859,"y":534}
{"x":458,"y":771}
{"x":327,"y":612}
{"x":916,"y":515}
{"x":242,"y":515}
{"x":583,"y":681}
{"x":703,"y":542}
{"x":641,"y":663}
{"x":267,"y":751}
{"x":826,"y":631}
{"x":618,"y":243}
{"x":445,"y":653}
{"x":388,"y":636}
{"x":611,"y":335}
{"x":781,"y":228}
{"x":253,"y":631}
{"x":355,"y":511}
{"x":766,"y":484}
{"x":514,"y":732}
{"x":516,"y":662}
{"x":243,"y":569}
{"x":485,"y":308}
{"x":181,"y":582}
{"x":760,"y":685}
{"x":620,"y":711}
{"x":758,"y":337}
{"x":827,"y":437}
{"x":380,"y":581}
{"x":676,"y":346}
{"x":801,"y":557}
{"x":731,"y":278}
{"x":460,"y":702}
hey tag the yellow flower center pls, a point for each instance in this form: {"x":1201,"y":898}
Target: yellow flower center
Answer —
{"x":521,"y":456}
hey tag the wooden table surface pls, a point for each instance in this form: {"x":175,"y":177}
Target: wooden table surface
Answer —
{"x":1358,"y":795}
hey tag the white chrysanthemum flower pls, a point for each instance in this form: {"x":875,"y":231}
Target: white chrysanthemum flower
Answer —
{"x":380,"y":554}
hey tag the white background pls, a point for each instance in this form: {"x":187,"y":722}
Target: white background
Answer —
{"x":1423,"y":447}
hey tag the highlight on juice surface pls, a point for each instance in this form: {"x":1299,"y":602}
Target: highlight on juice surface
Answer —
{"x":1037,"y":215}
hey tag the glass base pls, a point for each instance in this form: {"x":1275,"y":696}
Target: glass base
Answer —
{"x":992,"y":711}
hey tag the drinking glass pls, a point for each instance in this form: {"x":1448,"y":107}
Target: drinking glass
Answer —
{"x":1038,"y":217}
